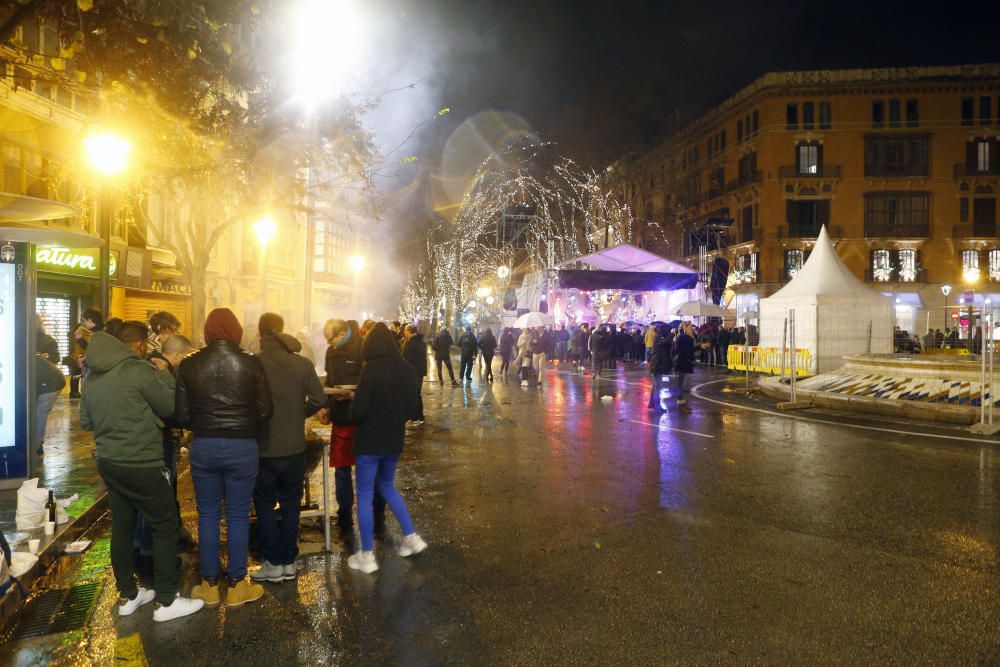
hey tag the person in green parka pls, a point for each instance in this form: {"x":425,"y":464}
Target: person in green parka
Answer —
{"x":125,"y":401}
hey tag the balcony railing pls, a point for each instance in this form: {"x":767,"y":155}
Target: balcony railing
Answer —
{"x":963,"y":170}
{"x":893,"y":276}
{"x":897,"y":231}
{"x":823,"y":171}
{"x":803,"y":231}
{"x":744,"y":180}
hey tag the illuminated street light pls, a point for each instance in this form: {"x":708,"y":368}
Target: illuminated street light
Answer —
{"x":503,"y":272}
{"x":108,"y":153}
{"x":970,"y":276}
{"x":473,"y":304}
{"x":946,"y":290}
{"x":328,"y":38}
{"x":490,"y":301}
{"x":356,"y":262}
{"x":483,"y":292}
{"x":265,"y":229}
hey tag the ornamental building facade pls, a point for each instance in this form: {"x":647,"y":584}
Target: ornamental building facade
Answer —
{"x":901,"y":165}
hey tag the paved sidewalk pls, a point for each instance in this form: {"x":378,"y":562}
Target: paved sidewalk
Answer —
{"x":67,"y":467}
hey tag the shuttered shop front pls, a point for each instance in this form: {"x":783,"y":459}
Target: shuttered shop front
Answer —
{"x":141,"y":304}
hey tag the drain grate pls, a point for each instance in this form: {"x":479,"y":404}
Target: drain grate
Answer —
{"x":59,"y":610}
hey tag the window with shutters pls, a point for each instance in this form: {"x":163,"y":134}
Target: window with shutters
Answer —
{"x":805,"y":217}
{"x":897,"y":155}
{"x":897,"y":214}
{"x":794,"y":259}
{"x":981,"y":156}
{"x":792,"y":117}
{"x":807,"y":159}
{"x":748,"y":168}
{"x":984,"y":216}
{"x":985,"y":110}
{"x":808,"y":121}
{"x":824,"y":116}
{"x":968,"y":106}
{"x":878,"y":113}
{"x":993,"y":264}
{"x":970,"y":264}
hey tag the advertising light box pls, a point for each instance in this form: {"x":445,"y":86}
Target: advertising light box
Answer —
{"x":13,"y":361}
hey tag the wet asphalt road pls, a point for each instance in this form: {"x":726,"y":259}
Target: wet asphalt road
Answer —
{"x":567,"y":529}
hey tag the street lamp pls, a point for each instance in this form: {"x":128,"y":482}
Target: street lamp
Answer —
{"x":945,"y":290}
{"x":328,"y":38}
{"x":108,"y":155}
{"x":264,"y":229}
{"x":503,"y":272}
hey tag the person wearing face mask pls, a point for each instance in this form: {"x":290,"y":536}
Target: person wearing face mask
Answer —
{"x":343,"y":368}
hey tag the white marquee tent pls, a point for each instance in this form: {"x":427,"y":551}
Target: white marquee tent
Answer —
{"x":833,"y":310}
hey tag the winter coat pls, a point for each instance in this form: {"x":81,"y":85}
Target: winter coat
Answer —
{"x":662,"y":361}
{"x":684,"y":353}
{"x":442,"y":345}
{"x":343,"y":366}
{"x":386,"y":396}
{"x":650,"y":338}
{"x":507,"y":345}
{"x":223,"y":392}
{"x":47,"y":345}
{"x":48,"y":378}
{"x":296,"y":392}
{"x":468,"y":344}
{"x":125,"y":401}
{"x":488,"y":344}
{"x":548,"y":342}
{"x":415,"y":352}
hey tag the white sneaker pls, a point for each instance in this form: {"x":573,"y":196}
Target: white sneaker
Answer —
{"x":127,"y":607}
{"x":179,"y":608}
{"x":412,"y":545}
{"x":289,"y":571}
{"x":268,"y":572}
{"x":364,"y":561}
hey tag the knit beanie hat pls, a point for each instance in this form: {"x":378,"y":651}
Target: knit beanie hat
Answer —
{"x":222,"y":324}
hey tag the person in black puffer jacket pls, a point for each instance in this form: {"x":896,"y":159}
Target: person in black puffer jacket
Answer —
{"x":385,"y":399}
{"x":488,"y":345}
{"x":684,"y":355}
{"x":224,"y":398}
{"x":415,"y":352}
{"x":661,"y":363}
{"x":468,"y":344}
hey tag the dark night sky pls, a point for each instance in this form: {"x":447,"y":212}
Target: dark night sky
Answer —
{"x":601,"y":76}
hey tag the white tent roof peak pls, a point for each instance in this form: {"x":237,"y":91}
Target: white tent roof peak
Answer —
{"x":824,"y":274}
{"x":627,"y":257}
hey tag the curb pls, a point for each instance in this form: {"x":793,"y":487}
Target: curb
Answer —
{"x":13,"y":601}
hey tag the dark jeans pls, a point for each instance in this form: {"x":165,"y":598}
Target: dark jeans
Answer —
{"x":488,"y":363}
{"x":344,"y":489}
{"x":659,"y":383}
{"x":466,"y":369}
{"x":451,"y":371}
{"x":279,"y":479}
{"x":130,"y":491}
{"x":375,"y":476}
{"x":223,"y":468}
{"x":419,"y":413}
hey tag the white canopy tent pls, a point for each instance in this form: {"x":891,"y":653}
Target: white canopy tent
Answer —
{"x":627,"y":257}
{"x":833,"y":311}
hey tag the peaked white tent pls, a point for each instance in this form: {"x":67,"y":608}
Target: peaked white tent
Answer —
{"x":833,"y":310}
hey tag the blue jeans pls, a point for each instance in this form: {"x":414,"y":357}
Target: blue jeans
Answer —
{"x":280,"y":479}
{"x":43,"y":408}
{"x":378,"y":471}
{"x":223,"y":468}
{"x":344,"y":489}
{"x":658,"y":385}
{"x":683,"y":379}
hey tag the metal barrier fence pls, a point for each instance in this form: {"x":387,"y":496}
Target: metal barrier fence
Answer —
{"x":770,"y":360}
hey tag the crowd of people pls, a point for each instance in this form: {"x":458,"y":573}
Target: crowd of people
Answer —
{"x":143,"y":386}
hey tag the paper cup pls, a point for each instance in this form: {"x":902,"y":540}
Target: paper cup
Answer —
{"x":33,"y":545}
{"x":50,"y":527}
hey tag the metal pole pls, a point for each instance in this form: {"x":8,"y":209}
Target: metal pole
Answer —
{"x":869,"y":337}
{"x":104,"y":229}
{"x":791,"y":345}
{"x":326,"y":495}
{"x":784,"y":345}
{"x":982,"y":363}
{"x":989,"y":346}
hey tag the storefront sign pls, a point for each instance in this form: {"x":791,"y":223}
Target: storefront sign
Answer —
{"x":76,"y":262}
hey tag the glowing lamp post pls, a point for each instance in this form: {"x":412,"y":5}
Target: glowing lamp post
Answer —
{"x":108,"y":155}
{"x":945,"y":290}
{"x":264,"y":229}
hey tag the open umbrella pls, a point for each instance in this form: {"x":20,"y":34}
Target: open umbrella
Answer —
{"x":700,"y":309}
{"x":533,"y":320}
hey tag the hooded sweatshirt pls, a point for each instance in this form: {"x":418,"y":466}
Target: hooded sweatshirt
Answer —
{"x":295,"y":391}
{"x":385,"y":398}
{"x":125,"y":401}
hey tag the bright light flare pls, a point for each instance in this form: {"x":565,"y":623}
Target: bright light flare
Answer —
{"x":503,"y":272}
{"x":265,"y":229}
{"x":328,"y":37}
{"x":108,"y":153}
{"x":971,"y":276}
{"x":483,"y":292}
{"x":356,"y":262}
